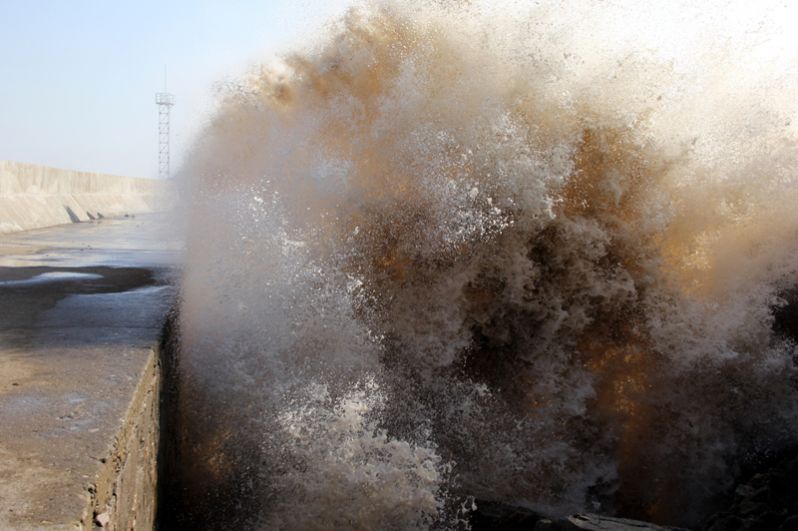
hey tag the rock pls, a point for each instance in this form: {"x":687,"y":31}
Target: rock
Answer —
{"x":768,"y":501}
{"x":596,"y":522}
{"x":491,"y":515}
{"x":725,"y":523}
{"x":790,"y":524}
{"x":496,"y":515}
{"x":545,"y":524}
{"x":102,"y":519}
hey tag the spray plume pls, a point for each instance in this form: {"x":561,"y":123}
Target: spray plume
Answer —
{"x":527,"y":253}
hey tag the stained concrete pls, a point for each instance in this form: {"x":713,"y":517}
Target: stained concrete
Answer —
{"x":80,"y":373}
{"x":34,"y":196}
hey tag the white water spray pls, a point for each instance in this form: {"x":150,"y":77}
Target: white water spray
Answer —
{"x":527,"y":253}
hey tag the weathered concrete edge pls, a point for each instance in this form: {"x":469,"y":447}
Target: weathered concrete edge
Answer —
{"x":125,"y":493}
{"x":114,"y":500}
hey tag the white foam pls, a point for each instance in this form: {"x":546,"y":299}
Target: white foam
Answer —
{"x":554,"y":234}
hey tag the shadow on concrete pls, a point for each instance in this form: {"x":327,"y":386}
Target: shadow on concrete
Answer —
{"x":98,"y":305}
{"x":210,"y":467}
{"x":170,"y":507}
{"x":72,"y":216}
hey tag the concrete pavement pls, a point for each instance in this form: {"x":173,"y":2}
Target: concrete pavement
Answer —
{"x":81,"y":313}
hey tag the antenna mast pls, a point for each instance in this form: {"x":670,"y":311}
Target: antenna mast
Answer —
{"x":165,"y":101}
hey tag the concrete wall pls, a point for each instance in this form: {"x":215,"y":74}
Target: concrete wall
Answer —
{"x":33,"y":196}
{"x":125,"y":492}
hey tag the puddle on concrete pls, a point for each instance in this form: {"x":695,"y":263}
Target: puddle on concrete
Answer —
{"x":107,"y":309}
{"x":45,"y":278}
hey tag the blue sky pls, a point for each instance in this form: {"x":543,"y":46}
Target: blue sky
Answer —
{"x":78,"y":76}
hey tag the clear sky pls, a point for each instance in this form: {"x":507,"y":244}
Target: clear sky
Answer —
{"x":78,"y":77}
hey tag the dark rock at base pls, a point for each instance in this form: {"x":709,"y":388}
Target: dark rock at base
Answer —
{"x":596,"y":522}
{"x":497,"y":516}
{"x":768,"y":501}
{"x":491,"y":515}
{"x":790,"y":524}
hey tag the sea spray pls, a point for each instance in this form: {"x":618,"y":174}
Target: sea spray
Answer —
{"x":526,"y":253}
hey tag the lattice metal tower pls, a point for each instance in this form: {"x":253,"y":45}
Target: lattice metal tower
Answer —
{"x":164,"y":100}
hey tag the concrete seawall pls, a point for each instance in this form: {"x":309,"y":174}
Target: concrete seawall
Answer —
{"x":33,"y":196}
{"x":82,"y":311}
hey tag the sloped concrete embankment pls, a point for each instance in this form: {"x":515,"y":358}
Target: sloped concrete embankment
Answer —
{"x":33,"y":196}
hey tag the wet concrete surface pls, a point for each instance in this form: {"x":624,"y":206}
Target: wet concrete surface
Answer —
{"x":81,"y":311}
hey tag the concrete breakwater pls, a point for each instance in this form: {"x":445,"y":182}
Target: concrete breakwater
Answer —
{"x":82,"y":309}
{"x":34,"y":196}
